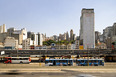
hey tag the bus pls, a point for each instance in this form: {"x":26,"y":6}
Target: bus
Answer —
{"x":59,"y":62}
{"x":90,"y":62}
{"x":17,"y":60}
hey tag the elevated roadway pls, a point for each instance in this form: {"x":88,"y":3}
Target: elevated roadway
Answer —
{"x":84,"y":53}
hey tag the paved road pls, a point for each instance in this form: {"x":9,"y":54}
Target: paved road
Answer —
{"x":34,"y":70}
{"x":64,"y":73}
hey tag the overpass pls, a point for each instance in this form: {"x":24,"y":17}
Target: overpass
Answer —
{"x":109,"y":55}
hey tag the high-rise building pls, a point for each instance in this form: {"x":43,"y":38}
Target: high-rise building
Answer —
{"x":31,"y":35}
{"x":11,"y":42}
{"x":19,"y":35}
{"x":3,"y":28}
{"x":55,"y":37}
{"x":40,"y":39}
{"x":114,"y":29}
{"x":27,"y":43}
{"x":107,"y":32}
{"x":64,"y":36}
{"x":10,"y":31}
{"x":114,"y":32}
{"x":67,"y":36}
{"x":2,"y":37}
{"x":87,"y":33}
{"x":97,"y":34}
{"x":71,"y":35}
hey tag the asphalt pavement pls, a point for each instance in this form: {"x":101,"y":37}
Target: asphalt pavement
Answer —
{"x":37,"y":70}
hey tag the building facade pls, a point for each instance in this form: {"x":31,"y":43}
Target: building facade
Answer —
{"x":87,"y":32}
{"x":97,"y":36}
{"x":40,"y":39}
{"x":11,"y":42}
{"x":71,"y":35}
{"x":27,"y":43}
{"x":19,"y":35}
{"x":3,"y":28}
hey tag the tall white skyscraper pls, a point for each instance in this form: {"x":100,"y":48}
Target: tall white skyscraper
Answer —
{"x":87,"y":32}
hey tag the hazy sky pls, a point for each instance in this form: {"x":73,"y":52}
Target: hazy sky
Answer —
{"x":55,"y":16}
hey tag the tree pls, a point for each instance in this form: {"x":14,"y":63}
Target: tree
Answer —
{"x":49,"y":42}
{"x":72,"y":41}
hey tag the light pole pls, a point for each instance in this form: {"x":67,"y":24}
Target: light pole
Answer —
{"x":88,"y":55}
{"x":17,"y":52}
{"x":59,"y":45}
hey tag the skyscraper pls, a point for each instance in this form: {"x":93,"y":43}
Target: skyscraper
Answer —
{"x":40,"y":39}
{"x":31,"y":35}
{"x":3,"y":28}
{"x":67,"y":36}
{"x":71,"y":35}
{"x":87,"y":33}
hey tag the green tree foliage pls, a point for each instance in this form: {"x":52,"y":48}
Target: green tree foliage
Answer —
{"x":49,"y":42}
{"x":72,"y":41}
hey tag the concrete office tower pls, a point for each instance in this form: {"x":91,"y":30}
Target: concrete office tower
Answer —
{"x":87,"y":33}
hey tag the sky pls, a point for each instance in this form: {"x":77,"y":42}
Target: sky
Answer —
{"x":55,"y":16}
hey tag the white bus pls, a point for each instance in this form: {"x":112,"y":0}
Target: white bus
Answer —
{"x":17,"y":60}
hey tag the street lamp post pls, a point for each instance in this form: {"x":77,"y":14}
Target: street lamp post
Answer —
{"x":88,"y":55}
{"x":17,"y":52}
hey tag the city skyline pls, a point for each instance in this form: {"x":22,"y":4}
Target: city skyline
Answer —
{"x":55,"y":17}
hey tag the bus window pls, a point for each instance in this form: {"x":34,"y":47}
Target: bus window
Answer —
{"x":9,"y":58}
{"x":100,"y":62}
{"x":14,"y":59}
{"x":54,"y":62}
{"x":57,"y":61}
{"x":96,"y":61}
{"x":25,"y":59}
{"x":78,"y":62}
{"x":82,"y":61}
{"x":20,"y":58}
{"x":50,"y":61}
{"x":93,"y":61}
{"x":46,"y":62}
{"x":65,"y":61}
{"x":86,"y":61}
{"x":90,"y":61}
